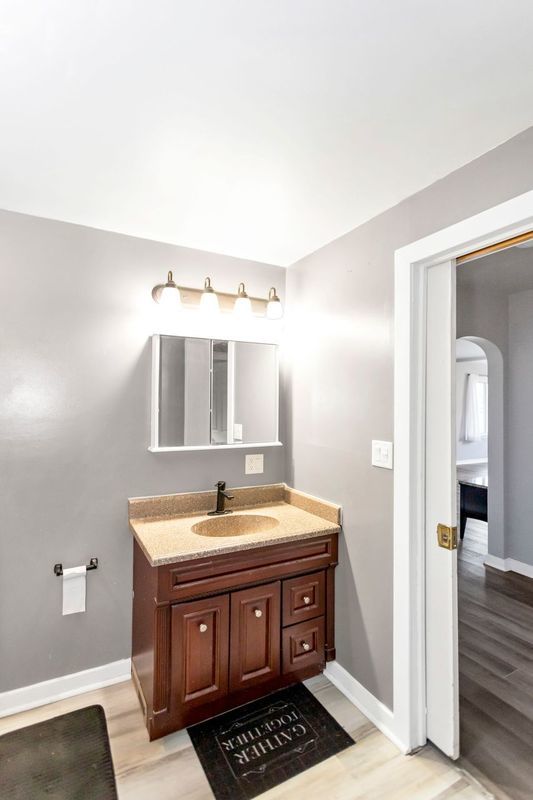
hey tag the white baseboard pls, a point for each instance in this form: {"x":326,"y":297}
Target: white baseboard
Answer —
{"x":509,"y":565}
{"x":495,"y":562}
{"x":40,"y":694}
{"x":376,"y":711}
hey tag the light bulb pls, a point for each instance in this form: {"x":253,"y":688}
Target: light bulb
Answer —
{"x":243,"y":304}
{"x":274,"y":307}
{"x":167,"y":294}
{"x":209,"y":299}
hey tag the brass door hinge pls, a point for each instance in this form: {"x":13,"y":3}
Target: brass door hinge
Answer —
{"x":447,"y":537}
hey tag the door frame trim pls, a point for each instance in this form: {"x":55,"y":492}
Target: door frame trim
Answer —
{"x":503,"y":221}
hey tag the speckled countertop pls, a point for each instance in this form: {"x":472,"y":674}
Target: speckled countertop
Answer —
{"x":163,"y":525}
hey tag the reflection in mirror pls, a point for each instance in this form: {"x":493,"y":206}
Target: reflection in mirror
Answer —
{"x":255,"y":392}
{"x":219,"y":398}
{"x":184,"y":393}
{"x":214,"y":392}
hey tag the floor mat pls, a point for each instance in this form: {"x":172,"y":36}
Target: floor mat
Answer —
{"x":63,"y":758}
{"x":252,"y":748}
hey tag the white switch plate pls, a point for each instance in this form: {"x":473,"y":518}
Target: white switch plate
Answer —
{"x":254,"y":464}
{"x":382,"y":454}
{"x":237,"y":431}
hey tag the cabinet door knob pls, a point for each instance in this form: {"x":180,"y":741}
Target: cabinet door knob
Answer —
{"x":306,"y":646}
{"x":203,"y":627}
{"x":258,"y":613}
{"x":307,"y":599}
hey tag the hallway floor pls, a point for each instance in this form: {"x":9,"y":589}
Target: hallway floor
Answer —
{"x":168,"y":769}
{"x":496,"y":670}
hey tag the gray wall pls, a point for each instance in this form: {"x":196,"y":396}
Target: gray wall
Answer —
{"x":75,"y":318}
{"x":467,"y":450}
{"x":340,"y":302}
{"x":481,"y":311}
{"x":519,"y":429}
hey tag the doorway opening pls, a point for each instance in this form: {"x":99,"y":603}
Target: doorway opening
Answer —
{"x":413,"y":263}
{"x":472,"y":432}
{"x":480,"y":454}
{"x":495,"y":562}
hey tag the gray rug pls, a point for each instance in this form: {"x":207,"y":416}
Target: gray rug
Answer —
{"x":63,"y":758}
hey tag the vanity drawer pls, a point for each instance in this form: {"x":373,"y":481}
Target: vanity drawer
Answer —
{"x":183,"y":580}
{"x":304,"y":597}
{"x":303,"y":645}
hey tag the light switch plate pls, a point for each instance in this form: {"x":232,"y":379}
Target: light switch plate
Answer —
{"x":237,"y":431}
{"x":254,"y":464}
{"x":382,"y":454}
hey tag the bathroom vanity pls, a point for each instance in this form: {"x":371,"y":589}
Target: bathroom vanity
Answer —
{"x":229,"y":608}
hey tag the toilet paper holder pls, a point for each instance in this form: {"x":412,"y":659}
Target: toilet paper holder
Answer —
{"x":93,"y":564}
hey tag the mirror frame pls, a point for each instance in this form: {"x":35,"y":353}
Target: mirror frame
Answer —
{"x":154,"y":413}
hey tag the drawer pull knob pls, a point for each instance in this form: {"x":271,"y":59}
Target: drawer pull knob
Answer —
{"x":203,"y":627}
{"x":258,"y":613}
{"x":306,"y":646}
{"x":307,"y":599}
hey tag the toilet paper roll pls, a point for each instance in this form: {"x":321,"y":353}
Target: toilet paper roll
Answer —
{"x":74,"y":589}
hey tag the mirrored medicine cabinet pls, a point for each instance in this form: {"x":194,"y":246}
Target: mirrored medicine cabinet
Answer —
{"x":212,"y":393}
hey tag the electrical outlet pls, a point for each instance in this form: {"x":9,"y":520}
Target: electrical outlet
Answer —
{"x":254,"y":464}
{"x":382,"y":454}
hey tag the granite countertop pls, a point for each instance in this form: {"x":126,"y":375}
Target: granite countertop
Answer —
{"x":162,"y":525}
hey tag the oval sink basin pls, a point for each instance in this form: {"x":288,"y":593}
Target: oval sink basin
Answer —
{"x":235,"y":525}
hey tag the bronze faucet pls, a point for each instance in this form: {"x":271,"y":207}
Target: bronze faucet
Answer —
{"x":222,"y":496}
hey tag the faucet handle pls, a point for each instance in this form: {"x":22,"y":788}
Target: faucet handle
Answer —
{"x":220,"y":485}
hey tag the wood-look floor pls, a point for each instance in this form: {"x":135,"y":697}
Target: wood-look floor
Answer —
{"x":168,"y":769}
{"x":495,"y":670}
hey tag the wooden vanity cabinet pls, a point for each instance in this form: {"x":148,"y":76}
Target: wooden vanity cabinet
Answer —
{"x":211,"y":634}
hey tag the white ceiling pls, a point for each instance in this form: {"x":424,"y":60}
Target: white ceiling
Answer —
{"x":258,"y":128}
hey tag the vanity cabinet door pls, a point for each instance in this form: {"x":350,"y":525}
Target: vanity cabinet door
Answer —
{"x":255,"y":636}
{"x":200,"y":646}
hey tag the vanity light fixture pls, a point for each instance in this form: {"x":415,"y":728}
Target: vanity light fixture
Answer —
{"x":243,"y":304}
{"x":173,"y":298}
{"x":167,"y":294}
{"x":274,"y":307}
{"x":209,"y":299}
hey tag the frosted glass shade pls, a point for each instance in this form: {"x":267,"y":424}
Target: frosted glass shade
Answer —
{"x":209,"y":300}
{"x":243,"y":307}
{"x":274,"y":309}
{"x":170,"y":298}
